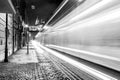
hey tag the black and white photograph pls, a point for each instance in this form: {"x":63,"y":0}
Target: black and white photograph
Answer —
{"x":59,"y":39}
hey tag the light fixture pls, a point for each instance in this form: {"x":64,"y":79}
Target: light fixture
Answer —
{"x":80,"y":0}
{"x":32,"y":6}
{"x":26,"y":25}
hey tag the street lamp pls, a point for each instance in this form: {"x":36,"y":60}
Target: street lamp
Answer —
{"x":6,"y":42}
{"x":27,"y":27}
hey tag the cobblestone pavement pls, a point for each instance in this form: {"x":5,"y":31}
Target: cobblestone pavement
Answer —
{"x":11,"y":71}
{"x":42,"y":70}
{"x":50,"y":70}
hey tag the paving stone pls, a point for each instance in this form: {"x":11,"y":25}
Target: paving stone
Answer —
{"x":42,"y":70}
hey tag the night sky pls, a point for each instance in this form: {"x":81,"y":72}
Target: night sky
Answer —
{"x":44,"y":9}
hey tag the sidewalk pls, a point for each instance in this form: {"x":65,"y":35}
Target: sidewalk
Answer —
{"x":21,"y":66}
{"x":22,"y":57}
{"x":32,"y":66}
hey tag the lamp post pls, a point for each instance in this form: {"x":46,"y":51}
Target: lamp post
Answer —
{"x":6,"y":42}
{"x":26,"y":26}
{"x":27,"y":40}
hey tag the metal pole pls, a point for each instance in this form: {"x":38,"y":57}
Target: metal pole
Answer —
{"x":13,"y":36}
{"x":28,"y":41}
{"x":6,"y":36}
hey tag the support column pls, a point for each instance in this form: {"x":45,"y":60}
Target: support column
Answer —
{"x":6,"y":38}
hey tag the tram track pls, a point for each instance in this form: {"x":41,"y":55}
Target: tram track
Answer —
{"x":65,"y":70}
{"x":60,"y":70}
{"x":49,"y":70}
{"x":71,"y":71}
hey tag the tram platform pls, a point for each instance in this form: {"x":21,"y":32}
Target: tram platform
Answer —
{"x":32,"y":66}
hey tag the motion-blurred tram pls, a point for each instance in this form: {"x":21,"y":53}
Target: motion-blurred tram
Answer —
{"x":91,"y":31}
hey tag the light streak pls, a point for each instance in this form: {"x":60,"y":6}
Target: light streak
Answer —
{"x":10,"y":2}
{"x":95,"y":7}
{"x":36,"y":47}
{"x":79,"y":65}
{"x":87,"y":52}
{"x":59,"y":8}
